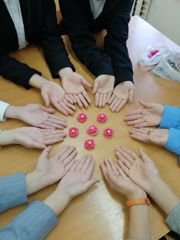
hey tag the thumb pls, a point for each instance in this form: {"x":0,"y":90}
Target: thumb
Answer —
{"x":85,"y":83}
{"x":38,"y":145}
{"x":46,"y":151}
{"x":48,"y":110}
{"x":145,"y":105}
{"x":46,"y":98}
{"x":144,"y":156}
{"x":131,"y":94}
{"x":96,"y":86}
{"x":90,"y":183}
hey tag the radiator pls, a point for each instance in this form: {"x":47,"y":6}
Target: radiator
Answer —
{"x":141,"y":8}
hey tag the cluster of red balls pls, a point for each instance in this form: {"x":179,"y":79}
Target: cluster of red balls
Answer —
{"x":91,"y":130}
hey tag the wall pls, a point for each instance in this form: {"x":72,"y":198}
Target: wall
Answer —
{"x":165,"y":16}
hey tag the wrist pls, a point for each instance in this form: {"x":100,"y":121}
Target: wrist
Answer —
{"x":64,"y":72}
{"x":58,"y":201}
{"x":155,"y":184}
{"x":140,"y":193}
{"x":35,"y":181}
{"x":13,"y":112}
{"x":8,"y":137}
{"x":37,"y":81}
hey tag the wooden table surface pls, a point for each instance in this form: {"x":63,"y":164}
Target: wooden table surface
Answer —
{"x":99,"y":214}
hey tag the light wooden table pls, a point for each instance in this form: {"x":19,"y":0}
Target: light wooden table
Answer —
{"x":99,"y":214}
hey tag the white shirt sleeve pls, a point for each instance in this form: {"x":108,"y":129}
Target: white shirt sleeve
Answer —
{"x":3,"y":107}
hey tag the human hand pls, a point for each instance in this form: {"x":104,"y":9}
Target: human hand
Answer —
{"x":139,"y":168}
{"x":103,"y":88}
{"x":77,"y":181}
{"x":50,"y":169}
{"x":32,"y":137}
{"x":122,"y":93}
{"x":79,"y":178}
{"x":149,"y":115}
{"x":74,"y":85}
{"x":36,"y":115}
{"x":119,"y":181}
{"x":53,"y":93}
{"x":150,"y":135}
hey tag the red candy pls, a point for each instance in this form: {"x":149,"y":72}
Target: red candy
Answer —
{"x":82,"y":118}
{"x":73,"y":132}
{"x":108,"y":132}
{"x":102,"y":118}
{"x":89,"y":144}
{"x":92,"y":130}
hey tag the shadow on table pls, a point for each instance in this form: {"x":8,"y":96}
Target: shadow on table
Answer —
{"x":171,"y":236}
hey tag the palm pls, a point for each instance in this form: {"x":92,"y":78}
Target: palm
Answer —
{"x":73,"y":84}
{"x":30,"y":135}
{"x":152,"y":119}
{"x":54,"y":168}
{"x":159,"y":136}
{"x":34,"y":115}
{"x":124,"y":185}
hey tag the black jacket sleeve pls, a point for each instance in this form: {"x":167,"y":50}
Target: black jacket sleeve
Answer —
{"x":83,"y":43}
{"x":115,"y":42}
{"x":15,"y":71}
{"x":52,"y":44}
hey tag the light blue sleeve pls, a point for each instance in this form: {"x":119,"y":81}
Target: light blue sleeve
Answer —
{"x":171,"y":117}
{"x":173,"y":219}
{"x":12,"y":191}
{"x":34,"y":223}
{"x":173,"y":142}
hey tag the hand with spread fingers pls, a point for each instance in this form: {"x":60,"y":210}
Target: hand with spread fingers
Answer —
{"x":50,"y":169}
{"x":149,"y":115}
{"x":55,"y":94}
{"x":76,"y":181}
{"x":122,"y":93}
{"x":150,"y":135}
{"x":139,"y":168}
{"x":31,"y":137}
{"x":103,"y":89}
{"x":119,"y":181}
{"x":74,"y":85}
{"x":36,"y":115}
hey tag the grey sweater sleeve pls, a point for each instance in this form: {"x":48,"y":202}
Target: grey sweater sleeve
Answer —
{"x":34,"y":223}
{"x":173,"y":219}
{"x":12,"y":191}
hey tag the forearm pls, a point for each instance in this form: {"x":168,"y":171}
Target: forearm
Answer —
{"x":57,"y":202}
{"x":139,"y":222}
{"x":37,"y":81}
{"x":35,"y":223}
{"x":163,"y":195}
{"x":12,"y":191}
{"x":121,"y":62}
{"x":170,"y":117}
{"x":7,"y":137}
{"x":15,"y":71}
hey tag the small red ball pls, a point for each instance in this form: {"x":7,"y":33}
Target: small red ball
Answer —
{"x":73,"y":132}
{"x":102,"y":118}
{"x":82,"y":117}
{"x":108,"y":133}
{"x":89,"y":144}
{"x":92,"y":130}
